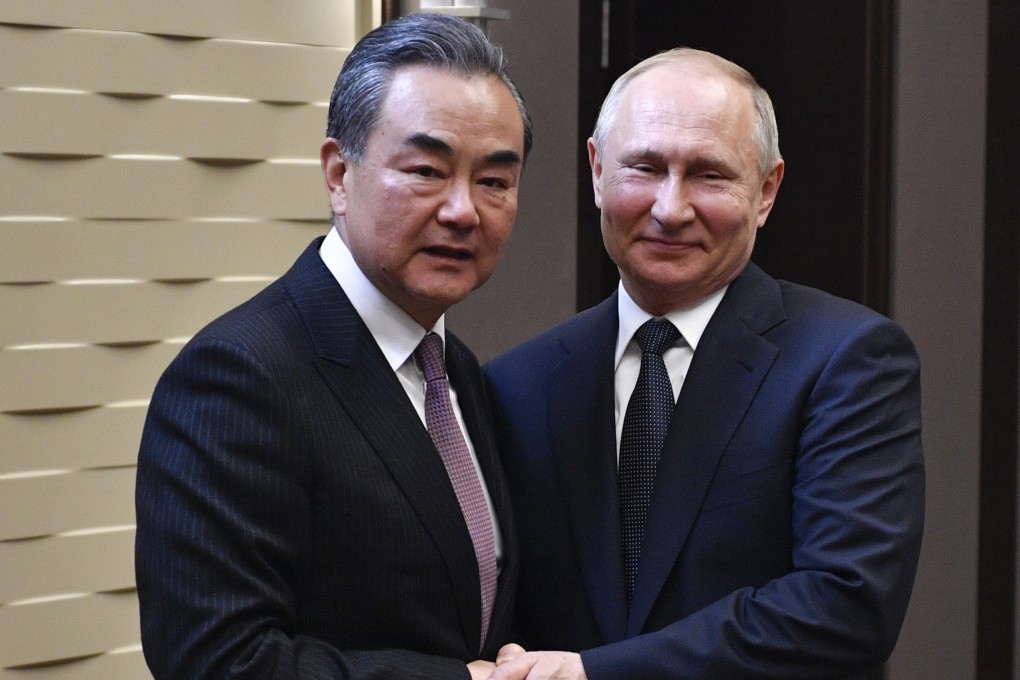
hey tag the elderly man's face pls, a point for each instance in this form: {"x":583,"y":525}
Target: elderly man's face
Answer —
{"x":427,"y":210}
{"x":679,"y":186}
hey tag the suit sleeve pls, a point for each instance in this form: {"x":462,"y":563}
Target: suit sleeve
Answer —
{"x":222,"y":508}
{"x":857,"y":510}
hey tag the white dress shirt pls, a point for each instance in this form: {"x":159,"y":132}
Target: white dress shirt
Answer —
{"x":691,"y":322}
{"x":397,"y":335}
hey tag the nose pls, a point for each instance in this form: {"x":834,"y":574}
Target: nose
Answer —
{"x":458,"y":209}
{"x":672,"y":205}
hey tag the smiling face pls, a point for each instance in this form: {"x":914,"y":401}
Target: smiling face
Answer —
{"x":679,"y":185}
{"x":430,"y":205}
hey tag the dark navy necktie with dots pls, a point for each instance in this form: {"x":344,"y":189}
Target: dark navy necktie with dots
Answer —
{"x":644,"y":430}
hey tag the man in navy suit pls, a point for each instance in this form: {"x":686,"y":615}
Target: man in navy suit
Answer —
{"x":784,"y":501}
{"x":295,"y":518}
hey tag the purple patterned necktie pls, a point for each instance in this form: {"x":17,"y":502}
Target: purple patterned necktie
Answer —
{"x":449,"y":441}
{"x":644,"y":430}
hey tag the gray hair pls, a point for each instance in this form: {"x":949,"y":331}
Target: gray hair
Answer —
{"x":764,"y":133}
{"x":433,"y":40}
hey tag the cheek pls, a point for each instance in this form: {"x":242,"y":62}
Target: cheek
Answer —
{"x":494,"y":242}
{"x":735,"y":244}
{"x":623,"y":200}
{"x":726,"y":216}
{"x":497,"y":219}
{"x":625,"y":212}
{"x":612,"y":238}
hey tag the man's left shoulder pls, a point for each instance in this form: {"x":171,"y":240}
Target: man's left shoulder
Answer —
{"x":805,"y":301}
{"x":770,"y":305}
{"x":457,"y":351}
{"x":820,"y":317}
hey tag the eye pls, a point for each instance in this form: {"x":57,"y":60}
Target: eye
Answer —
{"x":642,"y":169}
{"x":424,"y":171}
{"x":494,"y":183}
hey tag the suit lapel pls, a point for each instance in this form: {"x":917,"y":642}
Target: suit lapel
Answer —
{"x":728,"y":367}
{"x":466,"y":381}
{"x":583,"y":440}
{"x":357,"y":373}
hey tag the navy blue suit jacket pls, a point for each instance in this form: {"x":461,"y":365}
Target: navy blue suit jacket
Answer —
{"x":294,"y":518}
{"x":786,"y":519}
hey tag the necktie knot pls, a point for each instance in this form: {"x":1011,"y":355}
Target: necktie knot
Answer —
{"x":655,"y":336}
{"x":429,"y":354}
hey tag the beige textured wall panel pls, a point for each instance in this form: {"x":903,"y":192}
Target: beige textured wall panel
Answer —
{"x":67,"y":628}
{"x":108,"y":261}
{"x":98,"y":437}
{"x":113,"y":62}
{"x":313,"y":22}
{"x":160,"y":250}
{"x":52,"y":123}
{"x":110,"y":314}
{"x":80,"y":377}
{"x":135,"y":189}
{"x":70,"y":564}
{"x":41,"y":506}
{"x":120,"y":666}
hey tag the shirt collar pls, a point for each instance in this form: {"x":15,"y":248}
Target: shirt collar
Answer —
{"x":396,"y":333}
{"x":690,"y":321}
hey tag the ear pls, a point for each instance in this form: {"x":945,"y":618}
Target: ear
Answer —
{"x":334,"y":173}
{"x":596,"y":171}
{"x":769,"y":189}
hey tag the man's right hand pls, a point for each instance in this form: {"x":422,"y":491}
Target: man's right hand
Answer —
{"x":541,"y":666}
{"x":481,"y":670}
{"x":509,"y":652}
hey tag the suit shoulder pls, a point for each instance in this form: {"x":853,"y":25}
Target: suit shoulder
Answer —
{"x":816,"y":314}
{"x":272,"y":314}
{"x":462,"y":352}
{"x":805,"y":303}
{"x":254,"y":320}
{"x":548,"y":347}
{"x":266,"y":329}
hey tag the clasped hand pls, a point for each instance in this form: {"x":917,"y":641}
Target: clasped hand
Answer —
{"x":514,"y":663}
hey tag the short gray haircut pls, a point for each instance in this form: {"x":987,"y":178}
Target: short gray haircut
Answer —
{"x":764,"y":133}
{"x":420,"y":39}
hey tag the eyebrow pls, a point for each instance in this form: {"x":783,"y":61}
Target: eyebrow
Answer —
{"x":505,"y":157}
{"x":427,"y":142}
{"x":642,"y":154}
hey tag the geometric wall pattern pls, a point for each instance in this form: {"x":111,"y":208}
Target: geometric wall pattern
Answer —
{"x":158,"y":165}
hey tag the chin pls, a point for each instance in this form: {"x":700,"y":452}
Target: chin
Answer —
{"x":666,"y":286}
{"x":443,"y":299}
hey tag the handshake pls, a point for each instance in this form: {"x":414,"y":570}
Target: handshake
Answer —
{"x":514,"y":663}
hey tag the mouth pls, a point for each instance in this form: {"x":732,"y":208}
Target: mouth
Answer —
{"x":666,"y":244}
{"x":449,"y":253}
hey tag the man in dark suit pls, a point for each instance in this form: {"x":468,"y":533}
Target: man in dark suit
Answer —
{"x":307,"y":507}
{"x":764,"y":521}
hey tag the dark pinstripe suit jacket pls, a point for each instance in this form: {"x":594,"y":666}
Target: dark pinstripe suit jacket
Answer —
{"x":294,"y":519}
